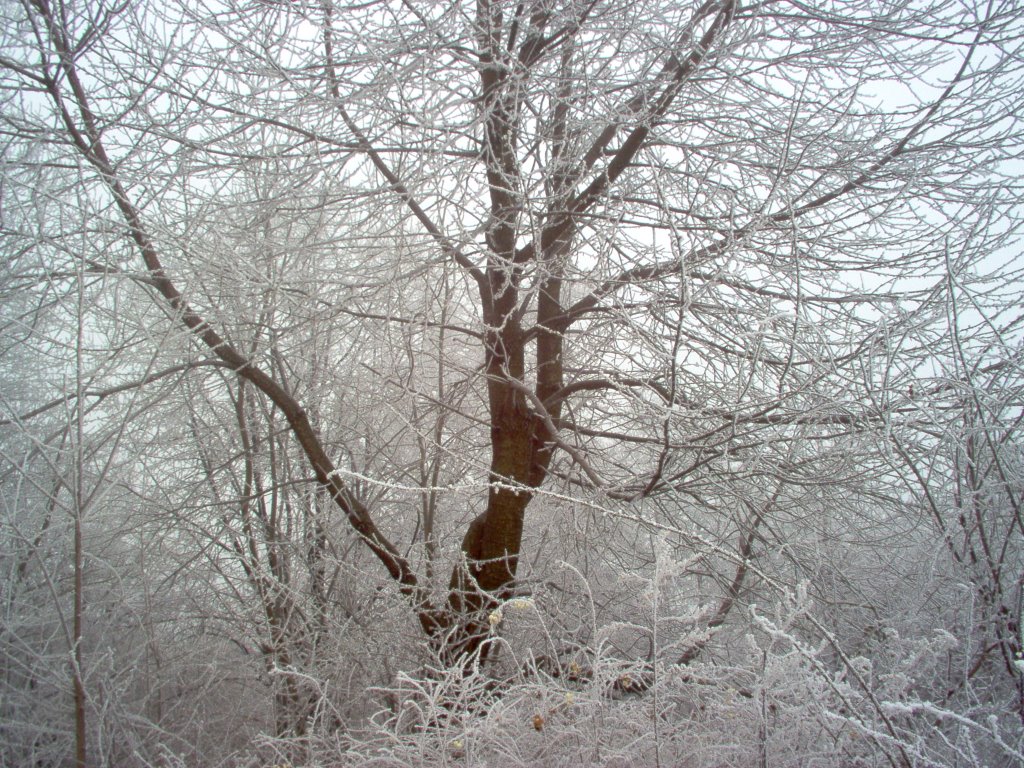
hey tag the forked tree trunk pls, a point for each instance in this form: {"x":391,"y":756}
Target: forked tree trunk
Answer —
{"x":522,"y":415}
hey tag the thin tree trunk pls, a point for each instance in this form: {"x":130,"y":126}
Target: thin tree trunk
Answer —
{"x":79,"y":685}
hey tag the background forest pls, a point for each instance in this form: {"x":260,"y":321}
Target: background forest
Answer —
{"x":554,"y":382}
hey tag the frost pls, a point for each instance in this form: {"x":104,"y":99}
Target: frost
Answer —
{"x":520,"y":604}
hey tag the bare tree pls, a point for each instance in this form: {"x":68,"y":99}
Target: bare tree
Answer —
{"x":648,"y":255}
{"x":960,"y":452}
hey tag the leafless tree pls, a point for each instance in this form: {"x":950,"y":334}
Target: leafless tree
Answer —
{"x":440,"y":264}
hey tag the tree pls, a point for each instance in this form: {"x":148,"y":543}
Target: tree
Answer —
{"x":650,"y":256}
{"x":963,"y":468}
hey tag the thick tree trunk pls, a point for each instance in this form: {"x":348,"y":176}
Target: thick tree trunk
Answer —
{"x":521,"y":447}
{"x":493,"y":541}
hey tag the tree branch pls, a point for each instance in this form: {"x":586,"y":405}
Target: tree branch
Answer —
{"x":679,"y":72}
{"x":655,"y":271}
{"x":90,"y":145}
